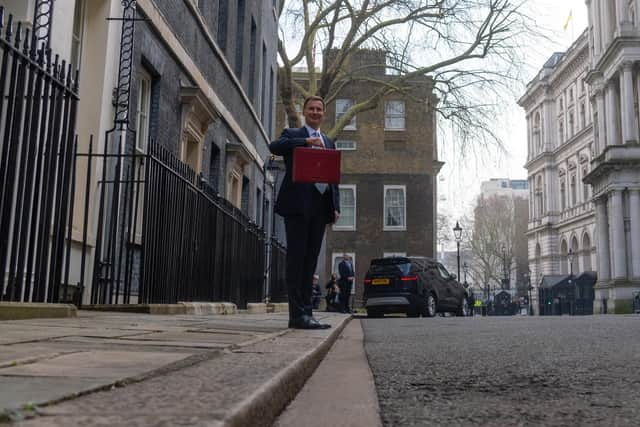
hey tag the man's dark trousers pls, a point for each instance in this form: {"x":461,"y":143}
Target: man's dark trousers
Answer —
{"x":302,"y":253}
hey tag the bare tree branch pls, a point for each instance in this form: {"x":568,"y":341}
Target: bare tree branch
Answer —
{"x":472,"y":49}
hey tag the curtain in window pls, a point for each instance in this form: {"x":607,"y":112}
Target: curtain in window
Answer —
{"x":394,"y":209}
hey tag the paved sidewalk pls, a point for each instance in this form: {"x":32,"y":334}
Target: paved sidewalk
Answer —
{"x":146,"y":370}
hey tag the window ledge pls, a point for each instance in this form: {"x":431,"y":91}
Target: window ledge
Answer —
{"x":388,"y":228}
{"x":343,"y":228}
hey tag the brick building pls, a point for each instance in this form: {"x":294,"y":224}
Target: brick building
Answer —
{"x":207,"y":73}
{"x":389,"y":168}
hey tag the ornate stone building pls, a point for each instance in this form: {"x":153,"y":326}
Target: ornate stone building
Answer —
{"x":560,"y":148}
{"x":614,"y":47}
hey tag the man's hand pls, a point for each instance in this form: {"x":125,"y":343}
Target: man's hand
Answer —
{"x":336,"y":214}
{"x":314,"y":141}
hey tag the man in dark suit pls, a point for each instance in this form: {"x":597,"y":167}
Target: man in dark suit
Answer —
{"x":307,"y":209}
{"x":345,"y":268}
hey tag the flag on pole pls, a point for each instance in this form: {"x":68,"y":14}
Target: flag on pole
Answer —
{"x":569,"y":19}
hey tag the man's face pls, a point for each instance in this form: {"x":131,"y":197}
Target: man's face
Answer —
{"x":313,"y":114}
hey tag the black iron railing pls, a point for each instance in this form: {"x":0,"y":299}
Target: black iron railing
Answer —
{"x":37,"y":131}
{"x":277,"y":266}
{"x":164,"y":236}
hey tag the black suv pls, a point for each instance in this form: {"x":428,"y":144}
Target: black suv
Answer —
{"x":412,"y":285}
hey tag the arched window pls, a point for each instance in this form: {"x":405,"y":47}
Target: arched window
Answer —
{"x":571,"y":124}
{"x":586,"y":252}
{"x":585,"y":186}
{"x":560,"y":131}
{"x":564,"y":250}
{"x":574,"y":267}
{"x":539,"y":197}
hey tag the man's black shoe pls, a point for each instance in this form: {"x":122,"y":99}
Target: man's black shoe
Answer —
{"x":306,"y":322}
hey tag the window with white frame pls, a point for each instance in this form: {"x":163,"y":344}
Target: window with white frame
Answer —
{"x":395,"y":207}
{"x":345,"y":145}
{"x":76,"y":34}
{"x":142,"y":111}
{"x":342,"y":106}
{"x":347,"y":220}
{"x":336,"y":259}
{"x":394,"y":115}
{"x":143,"y":108}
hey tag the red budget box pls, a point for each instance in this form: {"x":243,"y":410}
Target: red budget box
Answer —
{"x":314,"y":165}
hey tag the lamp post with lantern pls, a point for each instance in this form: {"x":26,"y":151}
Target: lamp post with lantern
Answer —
{"x":457,"y":233}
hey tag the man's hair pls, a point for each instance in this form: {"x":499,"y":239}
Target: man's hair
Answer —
{"x":313,"y":98}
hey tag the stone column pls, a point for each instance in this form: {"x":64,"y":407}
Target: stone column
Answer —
{"x":622,"y":11}
{"x":634,"y":209}
{"x":594,"y":19}
{"x":602,"y":248}
{"x":638,"y":82}
{"x":606,"y":14}
{"x":628,"y":115}
{"x":617,"y":236}
{"x":601,"y":142}
{"x":623,"y":21}
{"x":610,"y":115}
{"x":549,"y":135}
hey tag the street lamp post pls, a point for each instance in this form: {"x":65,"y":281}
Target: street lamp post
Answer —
{"x":527,"y":277}
{"x":457,"y":233}
{"x":505,"y":272}
{"x":270,"y":166}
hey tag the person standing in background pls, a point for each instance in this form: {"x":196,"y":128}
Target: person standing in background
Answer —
{"x":347,"y":275}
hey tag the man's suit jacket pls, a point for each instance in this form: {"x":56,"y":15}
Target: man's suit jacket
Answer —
{"x":295,"y":198}
{"x":346,"y":270}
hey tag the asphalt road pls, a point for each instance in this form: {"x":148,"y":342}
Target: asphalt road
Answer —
{"x":503,"y":371}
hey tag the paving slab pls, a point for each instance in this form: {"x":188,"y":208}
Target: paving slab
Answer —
{"x":112,"y":365}
{"x":16,"y":392}
{"x":247,"y":384}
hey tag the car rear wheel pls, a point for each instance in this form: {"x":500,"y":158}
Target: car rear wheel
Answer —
{"x":431,"y":306}
{"x":374,"y":314}
{"x":463,"y":308}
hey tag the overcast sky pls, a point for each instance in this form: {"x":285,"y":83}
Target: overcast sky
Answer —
{"x":459,"y":181}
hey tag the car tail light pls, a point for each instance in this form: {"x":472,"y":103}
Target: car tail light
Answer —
{"x":367,"y":281}
{"x":409,"y":278}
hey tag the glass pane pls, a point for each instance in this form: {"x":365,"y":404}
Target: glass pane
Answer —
{"x":347,"y":217}
{"x":347,"y":197}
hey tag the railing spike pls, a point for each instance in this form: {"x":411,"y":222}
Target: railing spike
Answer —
{"x":25,"y":47}
{"x":9,"y":31}
{"x":18,"y":35}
